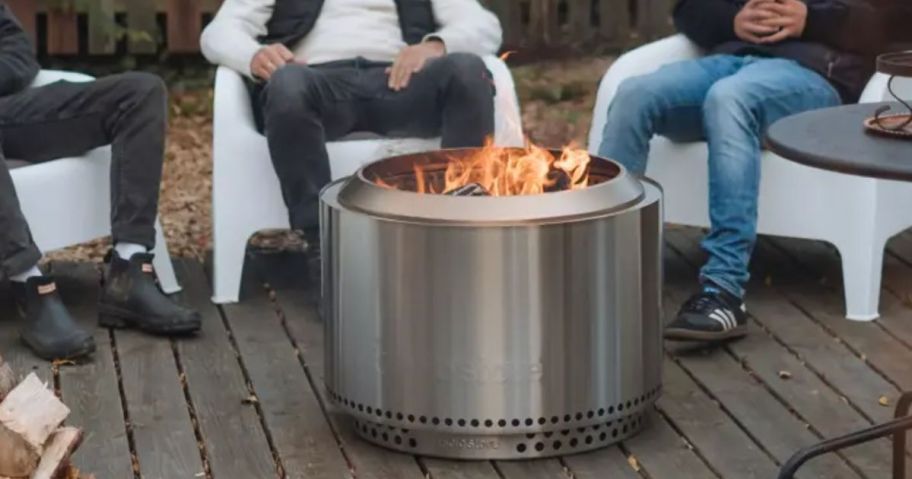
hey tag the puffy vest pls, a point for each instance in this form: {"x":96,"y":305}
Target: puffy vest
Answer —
{"x":292,"y":20}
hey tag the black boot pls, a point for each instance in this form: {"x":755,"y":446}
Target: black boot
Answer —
{"x":131,"y":298}
{"x":49,"y":329}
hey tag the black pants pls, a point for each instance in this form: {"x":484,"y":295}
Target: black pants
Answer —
{"x":303,"y":107}
{"x":63,"y":119}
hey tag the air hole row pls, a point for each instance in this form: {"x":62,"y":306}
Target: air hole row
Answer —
{"x":580,"y":440}
{"x":490,"y":422}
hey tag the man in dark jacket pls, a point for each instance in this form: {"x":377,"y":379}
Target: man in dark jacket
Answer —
{"x":63,"y":119}
{"x":767,"y":59}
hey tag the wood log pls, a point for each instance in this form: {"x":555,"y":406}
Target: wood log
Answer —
{"x":56,"y":457}
{"x":17,"y":458}
{"x":33,"y":412}
{"x":7,"y":379}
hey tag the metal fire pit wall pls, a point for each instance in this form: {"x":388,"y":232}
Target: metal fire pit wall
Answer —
{"x":493,"y":327}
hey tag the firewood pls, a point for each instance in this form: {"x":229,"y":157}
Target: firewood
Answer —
{"x":33,"y":412}
{"x":7,"y":379}
{"x":17,"y":457}
{"x":57,"y":453}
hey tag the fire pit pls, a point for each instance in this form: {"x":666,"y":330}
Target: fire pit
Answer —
{"x":479,"y":305}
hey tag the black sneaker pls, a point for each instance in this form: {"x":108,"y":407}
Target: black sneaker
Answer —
{"x":709,"y":316}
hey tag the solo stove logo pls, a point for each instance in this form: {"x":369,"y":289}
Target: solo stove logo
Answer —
{"x":470,"y":443}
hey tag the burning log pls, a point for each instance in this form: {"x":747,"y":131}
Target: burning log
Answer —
{"x":32,"y":443}
{"x":471,"y":189}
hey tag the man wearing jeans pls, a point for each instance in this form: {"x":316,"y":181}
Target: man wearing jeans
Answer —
{"x":321,"y":69}
{"x":767,"y":59}
{"x":64,"y":119}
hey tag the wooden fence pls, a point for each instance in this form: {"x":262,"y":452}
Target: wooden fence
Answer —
{"x":146,"y":27}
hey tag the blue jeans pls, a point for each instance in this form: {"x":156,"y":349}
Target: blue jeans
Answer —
{"x":729,"y":101}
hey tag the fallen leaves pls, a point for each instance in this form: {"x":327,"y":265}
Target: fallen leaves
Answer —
{"x":632,"y":460}
{"x":884,"y":401}
{"x":785,"y":375}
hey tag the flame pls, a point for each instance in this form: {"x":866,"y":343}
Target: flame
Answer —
{"x":509,"y":172}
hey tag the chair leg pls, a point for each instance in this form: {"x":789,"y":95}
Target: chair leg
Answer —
{"x":162,"y":263}
{"x":229,"y":252}
{"x":862,"y":267}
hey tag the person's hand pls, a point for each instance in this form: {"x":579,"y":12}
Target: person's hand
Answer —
{"x":269,"y":59}
{"x":411,"y":60}
{"x":790,"y":19}
{"x":751,"y":22}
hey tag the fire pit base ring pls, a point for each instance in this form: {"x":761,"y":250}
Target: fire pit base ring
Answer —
{"x":547,"y":443}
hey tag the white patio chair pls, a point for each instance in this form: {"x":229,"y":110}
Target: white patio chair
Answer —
{"x":68,"y":201}
{"x":857,"y":215}
{"x":245,"y":190}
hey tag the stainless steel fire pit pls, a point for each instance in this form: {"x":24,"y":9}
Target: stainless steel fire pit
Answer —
{"x":492,"y":327}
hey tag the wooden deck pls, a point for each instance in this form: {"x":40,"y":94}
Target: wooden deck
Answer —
{"x":244,"y":399}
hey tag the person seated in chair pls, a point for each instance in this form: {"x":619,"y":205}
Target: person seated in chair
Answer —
{"x":767,"y":59}
{"x":318,"y":70}
{"x":63,"y":119}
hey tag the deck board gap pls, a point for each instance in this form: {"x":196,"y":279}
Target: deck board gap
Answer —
{"x":660,"y":415}
{"x":191,"y":409}
{"x":128,"y":424}
{"x":639,"y":470}
{"x":270,"y":440}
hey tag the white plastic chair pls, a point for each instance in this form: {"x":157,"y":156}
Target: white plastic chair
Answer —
{"x":857,"y":215}
{"x":68,"y":201}
{"x":245,"y":190}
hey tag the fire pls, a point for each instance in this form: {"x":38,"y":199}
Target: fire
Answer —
{"x":530,"y":170}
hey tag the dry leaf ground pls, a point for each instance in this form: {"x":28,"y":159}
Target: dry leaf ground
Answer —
{"x":557,"y":99}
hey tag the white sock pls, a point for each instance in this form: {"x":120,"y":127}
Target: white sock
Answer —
{"x":127,"y":250}
{"x":23,"y":277}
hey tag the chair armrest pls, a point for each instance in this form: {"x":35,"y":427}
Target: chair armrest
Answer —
{"x":508,"y":129}
{"x":640,"y":61}
{"x":50,"y":76}
{"x":231,"y":102}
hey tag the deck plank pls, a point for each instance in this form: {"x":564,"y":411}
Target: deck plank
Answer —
{"x":533,"y":469}
{"x":166,"y":445}
{"x":610,"y":462}
{"x":91,"y":390}
{"x":662,"y":453}
{"x":300,"y":433}
{"x":443,"y":469}
{"x":770,"y":422}
{"x":236,"y":444}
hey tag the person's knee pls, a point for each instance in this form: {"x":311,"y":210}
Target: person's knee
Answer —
{"x":141,"y":85}
{"x":730,"y":103}
{"x":467,"y":71}
{"x":289,"y":91}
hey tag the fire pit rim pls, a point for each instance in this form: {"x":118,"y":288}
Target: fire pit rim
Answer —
{"x":361,"y":194}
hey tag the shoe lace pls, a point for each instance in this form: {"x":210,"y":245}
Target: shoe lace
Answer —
{"x":703,"y":303}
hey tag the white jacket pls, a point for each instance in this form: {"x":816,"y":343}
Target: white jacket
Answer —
{"x":231,"y":39}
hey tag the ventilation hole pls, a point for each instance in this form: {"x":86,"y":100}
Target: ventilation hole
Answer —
{"x":549,"y":434}
{"x":502,"y":423}
{"x":435,"y":421}
{"x":422,"y":419}
{"x":610,"y":409}
{"x":385,"y":437}
{"x":624,"y":429}
{"x":489,"y":423}
{"x":614,"y":433}
{"x":361,"y":407}
{"x":601,"y":412}
{"x":530,"y":436}
{"x":557,"y":445}
{"x":474,"y":423}
{"x":405,"y":431}
{"x":520,"y":448}
{"x":461,"y":422}
{"x":588,"y":439}
{"x":579,"y":416}
{"x":529,"y":421}
{"x":399,"y":416}
{"x":590,"y":414}
{"x":411,"y":418}
{"x":603,"y":436}
{"x":628,"y":404}
{"x":555,"y":419}
{"x":539,"y":446}
{"x":565,"y":432}
{"x":397,"y":439}
{"x":573,"y":442}
{"x":542,"y":421}
{"x":448,"y":421}
{"x":567,"y":418}
{"x":374,"y":433}
{"x":620,"y":407}
{"x":580,"y":429}
{"x":413,"y":442}
{"x":596,"y":427}
{"x":389,"y":415}
{"x":636,"y":402}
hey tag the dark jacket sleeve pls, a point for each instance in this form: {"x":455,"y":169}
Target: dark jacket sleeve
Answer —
{"x":18,"y":65}
{"x":707,"y":23}
{"x":853,"y":26}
